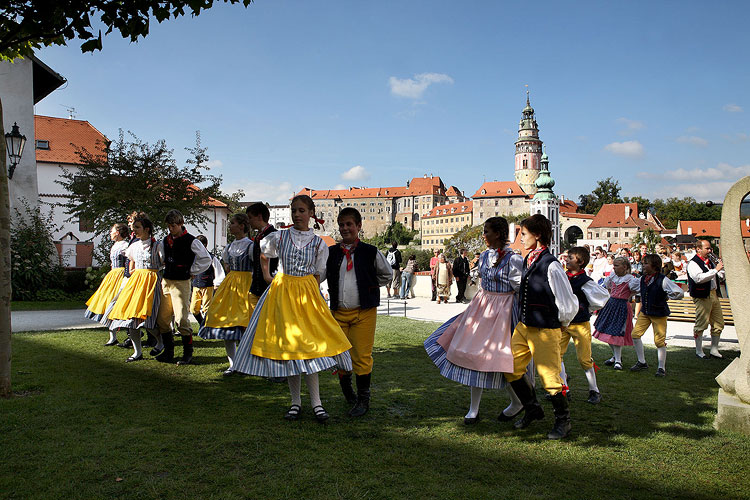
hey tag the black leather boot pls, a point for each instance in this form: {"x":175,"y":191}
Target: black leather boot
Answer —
{"x":167,"y":355}
{"x":199,"y":318}
{"x":532,"y":408}
{"x":363,"y":396}
{"x":150,"y":340}
{"x":345,"y":381}
{"x":562,"y":417}
{"x":187,"y":350}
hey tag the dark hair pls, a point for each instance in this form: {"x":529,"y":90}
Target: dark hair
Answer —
{"x":412,"y":257}
{"x":243,"y":220}
{"x":652,"y":260}
{"x":539,"y":226}
{"x":122,"y":229}
{"x":500,"y":226}
{"x":580,"y":253}
{"x":202,"y":239}
{"x":350,"y":212}
{"x":259,"y":209}
{"x":145,"y":222}
{"x":394,"y":243}
{"x":174,"y":217}
{"x":310,"y":204}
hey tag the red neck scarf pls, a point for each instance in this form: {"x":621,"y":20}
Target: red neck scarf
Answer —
{"x":170,"y":238}
{"x":707,"y":261}
{"x":573,"y":275}
{"x":261,"y":233}
{"x":533,"y":255}
{"x":648,"y":278}
{"x":348,"y":253}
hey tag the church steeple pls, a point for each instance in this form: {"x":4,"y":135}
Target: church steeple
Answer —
{"x":528,"y":149}
{"x":544,"y":183}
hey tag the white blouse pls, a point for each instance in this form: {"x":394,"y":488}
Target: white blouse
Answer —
{"x":269,"y":246}
{"x":633,"y":283}
{"x":565,"y":299}
{"x":596,"y":294}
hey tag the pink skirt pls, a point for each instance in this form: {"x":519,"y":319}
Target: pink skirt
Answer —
{"x":479,"y":338}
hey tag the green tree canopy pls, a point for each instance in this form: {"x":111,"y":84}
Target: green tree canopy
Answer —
{"x":647,"y":236}
{"x":606,"y":191}
{"x":672,"y":210}
{"x":395,"y":232}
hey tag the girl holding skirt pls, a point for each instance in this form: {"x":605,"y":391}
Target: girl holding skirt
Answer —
{"x":229,"y":313}
{"x":292,"y":332}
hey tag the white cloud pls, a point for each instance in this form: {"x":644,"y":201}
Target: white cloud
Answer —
{"x":701,"y":183}
{"x":631,"y":126}
{"x":413,"y":88}
{"x":214,"y":164}
{"x":358,"y":173}
{"x":629,"y":149}
{"x":732,"y":108}
{"x":715,"y":191}
{"x":692,"y":139}
{"x":274,"y":193}
{"x":339,"y":186}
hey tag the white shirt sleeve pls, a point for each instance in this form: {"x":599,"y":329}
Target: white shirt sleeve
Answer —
{"x":321,"y":257}
{"x":607,"y":281}
{"x":159,"y":258}
{"x":225,"y":254}
{"x":515,"y":267}
{"x":269,"y":245}
{"x":596,"y":294}
{"x":130,"y":251}
{"x":565,"y":299}
{"x":219,"y":273}
{"x":696,"y":273}
{"x":202,"y":258}
{"x":634,"y":284}
{"x":383,"y":269}
{"x":673,"y":290}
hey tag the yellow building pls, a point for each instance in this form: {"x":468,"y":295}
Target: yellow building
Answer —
{"x":443,"y":222}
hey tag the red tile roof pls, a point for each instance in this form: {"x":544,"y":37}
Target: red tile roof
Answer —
{"x":453,"y":191}
{"x":568,"y":206}
{"x":450,"y":209}
{"x":613,"y":215}
{"x":65,"y":136}
{"x":573,"y":215}
{"x":328,"y":240}
{"x":711,"y":228}
{"x":417,"y":186}
{"x":499,"y":189}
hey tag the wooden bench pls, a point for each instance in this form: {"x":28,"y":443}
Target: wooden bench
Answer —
{"x":684,"y":310}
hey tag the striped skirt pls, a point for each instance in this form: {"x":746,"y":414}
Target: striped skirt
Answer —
{"x":137,"y":304}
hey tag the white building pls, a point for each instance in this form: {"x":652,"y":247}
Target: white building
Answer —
{"x":281,"y":215}
{"x":546,"y":203}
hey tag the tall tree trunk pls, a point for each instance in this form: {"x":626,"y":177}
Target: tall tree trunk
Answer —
{"x":5,"y":286}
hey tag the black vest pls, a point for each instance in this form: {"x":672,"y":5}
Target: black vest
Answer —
{"x":178,"y":258}
{"x":576,"y":283}
{"x":535,"y":297}
{"x":206,"y":278}
{"x":653,"y":297}
{"x":258,"y":285}
{"x":700,"y":290}
{"x":364,"y":269}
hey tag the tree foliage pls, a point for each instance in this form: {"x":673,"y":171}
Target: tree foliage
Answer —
{"x":27,"y":25}
{"x":672,"y":210}
{"x":647,"y":236}
{"x":606,"y":191}
{"x":469,"y":237}
{"x":395,"y":232}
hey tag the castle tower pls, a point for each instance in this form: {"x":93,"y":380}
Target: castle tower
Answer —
{"x":528,"y":150}
{"x":545,"y":202}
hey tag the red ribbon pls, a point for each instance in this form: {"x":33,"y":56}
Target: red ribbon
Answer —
{"x":348,"y":253}
{"x":170,"y":239}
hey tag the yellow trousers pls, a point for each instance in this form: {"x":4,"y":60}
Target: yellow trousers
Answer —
{"x":175,"y":303}
{"x":708,"y":312}
{"x":543,"y":345}
{"x":201,"y":299}
{"x":659,"y":324}
{"x":359,"y":328}
{"x":581,"y":335}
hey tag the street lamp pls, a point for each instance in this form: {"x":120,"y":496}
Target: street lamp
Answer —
{"x":15,"y":142}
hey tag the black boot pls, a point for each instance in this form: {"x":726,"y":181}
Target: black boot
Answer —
{"x":167,"y":355}
{"x":363,"y":396}
{"x":532,"y":408}
{"x":345,"y":381}
{"x":562,"y":417}
{"x":199,"y":318}
{"x":187,"y":350}
{"x":150,"y":340}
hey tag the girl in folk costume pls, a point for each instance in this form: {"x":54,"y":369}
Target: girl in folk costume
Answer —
{"x":229,"y":312}
{"x":137,"y":304}
{"x":107,"y":291}
{"x":474,"y":348}
{"x":614,"y":325}
{"x":291,"y":330}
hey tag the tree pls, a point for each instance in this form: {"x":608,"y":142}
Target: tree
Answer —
{"x":468,"y":237}
{"x":647,"y":236}
{"x":395,"y":232}
{"x":606,"y":191}
{"x":644,"y":204}
{"x":672,"y":210}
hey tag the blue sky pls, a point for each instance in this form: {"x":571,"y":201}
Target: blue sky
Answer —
{"x":339,"y":93}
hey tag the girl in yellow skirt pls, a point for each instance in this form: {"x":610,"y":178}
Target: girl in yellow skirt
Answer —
{"x":137,"y":304}
{"x":229,"y":313}
{"x":107,"y":291}
{"x":292,"y":331}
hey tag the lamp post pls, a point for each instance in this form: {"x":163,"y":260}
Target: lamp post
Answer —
{"x":15,"y":142}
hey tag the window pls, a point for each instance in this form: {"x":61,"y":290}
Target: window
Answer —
{"x":626,"y":234}
{"x":526,"y":163}
{"x":497,"y":202}
{"x":510,"y":202}
{"x":40,"y":144}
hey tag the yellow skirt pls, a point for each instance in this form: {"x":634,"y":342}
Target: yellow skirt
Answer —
{"x":136,"y":300}
{"x":294,"y":322}
{"x":107,"y":291}
{"x":230,"y":305}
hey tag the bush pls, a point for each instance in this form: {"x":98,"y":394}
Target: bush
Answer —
{"x":95,"y":275}
{"x":74,"y":280}
{"x":423,"y":258}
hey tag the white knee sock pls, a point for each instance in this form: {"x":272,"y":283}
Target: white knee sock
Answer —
{"x":515,"y":404}
{"x":476,"y":398}
{"x":563,"y":374}
{"x":231,"y":348}
{"x":617,"y":350}
{"x":112,"y":336}
{"x":311,"y":379}
{"x":591,"y":378}
{"x":639,"y":352}
{"x":715,"y":346}
{"x":159,"y":340}
{"x":661,"y":354}
{"x":135,"y":336}
{"x":294,"y":389}
{"x":699,"y":345}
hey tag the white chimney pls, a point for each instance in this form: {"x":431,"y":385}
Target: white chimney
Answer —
{"x":690,"y":230}
{"x":627,"y":212}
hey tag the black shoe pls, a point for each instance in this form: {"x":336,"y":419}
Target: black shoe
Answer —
{"x":321,"y":415}
{"x":228,"y":372}
{"x":111,"y":342}
{"x":638,"y":366}
{"x":167,"y":354}
{"x":609,"y":362}
{"x":345,"y":381}
{"x":187,"y":351}
{"x":699,"y":356}
{"x":532,"y":409}
{"x":293,"y":412}
{"x":126,"y":344}
{"x":594,"y":397}
{"x":661,"y":373}
{"x":471,"y":421}
{"x":562,"y":417}
{"x":532,"y":413}
{"x":363,"y":396}
{"x":155,"y":352}
{"x":618,"y":366}
{"x":134,"y":358}
{"x":507,"y":418}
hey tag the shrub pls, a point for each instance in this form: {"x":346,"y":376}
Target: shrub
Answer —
{"x":74,"y":280}
{"x":423,"y":258}
{"x":95,"y":275}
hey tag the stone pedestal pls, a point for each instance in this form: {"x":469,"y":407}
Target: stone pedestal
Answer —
{"x":733,"y":415}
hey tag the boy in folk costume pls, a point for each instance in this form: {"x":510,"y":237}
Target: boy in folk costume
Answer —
{"x":183,"y":256}
{"x":258,"y":214}
{"x":655,"y":290}
{"x":204,"y":284}
{"x":355,"y":272}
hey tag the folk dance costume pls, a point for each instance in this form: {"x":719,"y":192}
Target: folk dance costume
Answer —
{"x":183,"y":256}
{"x":230,"y":310}
{"x":291,"y":331}
{"x":614,"y":324}
{"x":259,"y":283}
{"x":204,"y":285}
{"x":137,"y":304}
{"x":474,"y":348}
{"x":355,"y":274}
{"x":703,"y":284}
{"x":591,"y":297}
{"x":655,"y":290}
{"x":108,"y":289}
{"x":546,"y":303}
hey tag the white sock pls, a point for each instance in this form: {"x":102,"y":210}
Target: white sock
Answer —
{"x":311,"y":379}
{"x":135,"y":336}
{"x":159,"y":340}
{"x":715,"y":345}
{"x":617,"y":350}
{"x":563,"y":374}
{"x":294,"y":389}
{"x":591,"y":378}
{"x":112,"y":336}
{"x":231,"y":348}
{"x":638,"y":344}
{"x":699,"y":345}
{"x":476,"y":398}
{"x":515,"y":404}
{"x":661,"y":354}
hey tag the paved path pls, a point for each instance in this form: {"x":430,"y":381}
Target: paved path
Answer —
{"x":34,"y":321}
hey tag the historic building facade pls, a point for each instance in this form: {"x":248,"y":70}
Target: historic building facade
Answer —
{"x":528,"y":150}
{"x":443,"y":222}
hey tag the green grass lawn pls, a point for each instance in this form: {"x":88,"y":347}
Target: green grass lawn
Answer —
{"x":51,"y":305}
{"x":87,"y":425}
